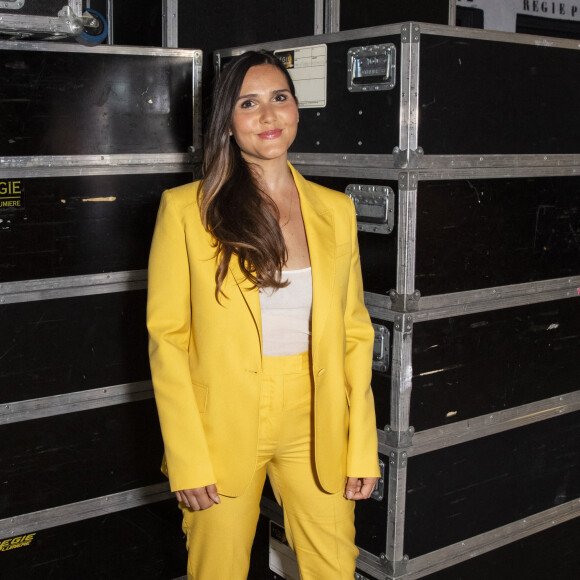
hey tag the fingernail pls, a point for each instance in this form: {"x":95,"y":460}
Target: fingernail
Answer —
{"x":216,"y":499}
{"x":349,"y":494}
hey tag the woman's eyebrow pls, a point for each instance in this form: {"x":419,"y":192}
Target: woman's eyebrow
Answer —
{"x":255,"y":95}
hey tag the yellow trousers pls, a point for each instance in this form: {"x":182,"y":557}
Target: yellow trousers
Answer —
{"x":319,"y":526}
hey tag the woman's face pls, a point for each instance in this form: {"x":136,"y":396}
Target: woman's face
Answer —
{"x":265,"y":117}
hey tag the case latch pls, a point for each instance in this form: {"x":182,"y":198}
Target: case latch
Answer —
{"x":372,"y":68}
{"x":374,"y":205}
{"x":381,"y":348}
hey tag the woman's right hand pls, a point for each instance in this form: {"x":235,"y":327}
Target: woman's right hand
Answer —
{"x":199,"y":498}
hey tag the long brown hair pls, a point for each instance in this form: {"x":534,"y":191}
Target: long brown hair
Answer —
{"x":242,"y":218}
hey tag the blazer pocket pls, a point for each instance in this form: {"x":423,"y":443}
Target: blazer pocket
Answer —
{"x":200,"y":392}
{"x":342,"y":249}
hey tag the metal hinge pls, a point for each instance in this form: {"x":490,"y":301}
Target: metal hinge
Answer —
{"x":411,"y":33}
{"x":408,"y":159}
{"x":394,"y":569}
{"x":408,"y":181}
{"x":405,"y":302}
{"x":398,"y":459}
{"x":404,"y":323}
{"x":399,"y":438}
{"x":379,"y":491}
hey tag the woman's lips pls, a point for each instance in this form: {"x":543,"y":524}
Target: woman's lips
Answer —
{"x":273,"y":134}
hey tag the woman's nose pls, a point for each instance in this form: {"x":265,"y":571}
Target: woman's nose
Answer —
{"x":268,"y":113}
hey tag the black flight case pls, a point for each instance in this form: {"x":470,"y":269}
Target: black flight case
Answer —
{"x":53,"y":19}
{"x":460,"y":150}
{"x":89,"y":138}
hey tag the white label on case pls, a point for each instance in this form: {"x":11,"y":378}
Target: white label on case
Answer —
{"x":307,"y":67}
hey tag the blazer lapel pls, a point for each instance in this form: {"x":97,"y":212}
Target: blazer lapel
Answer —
{"x":250,"y":296}
{"x":319,"y":225}
{"x":320,"y":234}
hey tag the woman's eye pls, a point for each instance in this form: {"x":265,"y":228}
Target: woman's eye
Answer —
{"x":246,"y":104}
{"x":281,"y":97}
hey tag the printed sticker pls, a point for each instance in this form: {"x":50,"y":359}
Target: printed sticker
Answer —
{"x":11,"y":194}
{"x":307,"y":67}
{"x":17,"y":542}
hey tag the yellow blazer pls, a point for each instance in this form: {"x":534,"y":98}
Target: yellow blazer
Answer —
{"x":206,"y":357}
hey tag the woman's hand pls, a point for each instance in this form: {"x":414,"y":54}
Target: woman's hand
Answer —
{"x":359,"y":487}
{"x":199,"y":498}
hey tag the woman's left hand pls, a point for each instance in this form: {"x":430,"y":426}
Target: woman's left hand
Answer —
{"x":359,"y":487}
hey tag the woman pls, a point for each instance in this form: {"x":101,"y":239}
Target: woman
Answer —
{"x":260,"y":344}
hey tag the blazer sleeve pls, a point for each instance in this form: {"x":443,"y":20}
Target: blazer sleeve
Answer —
{"x":169,"y":325}
{"x":362,"y":452}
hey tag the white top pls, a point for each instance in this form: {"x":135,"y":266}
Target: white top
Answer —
{"x":287,"y":314}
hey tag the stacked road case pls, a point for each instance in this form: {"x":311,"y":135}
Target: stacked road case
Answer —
{"x":52,"y":19}
{"x":460,"y":149}
{"x":89,"y":138}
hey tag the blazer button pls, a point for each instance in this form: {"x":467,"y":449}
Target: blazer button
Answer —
{"x":321,"y":372}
